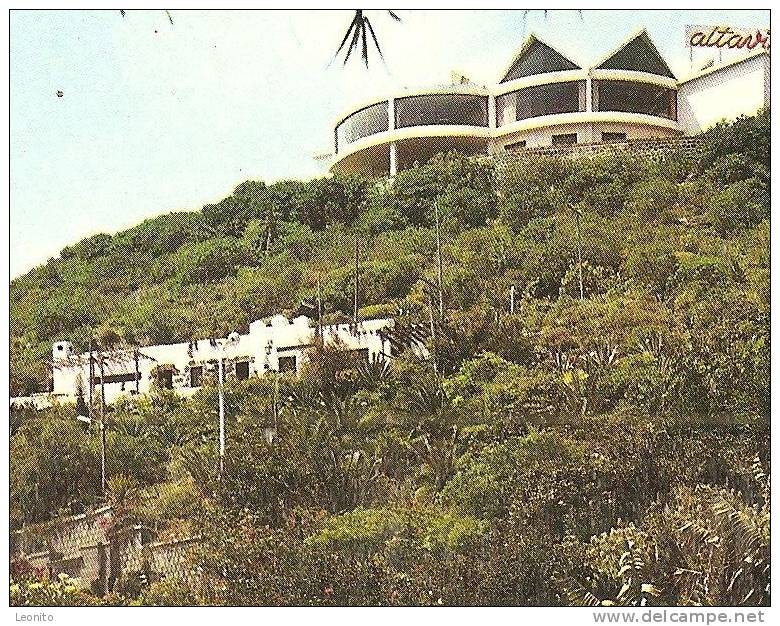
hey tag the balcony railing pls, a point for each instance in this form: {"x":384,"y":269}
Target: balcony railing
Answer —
{"x":363,"y":123}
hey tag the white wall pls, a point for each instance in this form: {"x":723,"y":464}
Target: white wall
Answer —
{"x":262,"y":348}
{"x":589,"y":132}
{"x":726,"y":93}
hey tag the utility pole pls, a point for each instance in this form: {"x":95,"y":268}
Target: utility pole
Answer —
{"x":357,"y":271}
{"x":232,"y":340}
{"x":579,"y":250}
{"x":221,"y":378}
{"x":102,"y":424}
{"x":438,"y":260}
{"x":137,"y":371}
{"x":276,"y":403}
{"x":319,"y":309}
{"x":321,"y":346}
{"x":91,"y":375}
{"x":433,"y":335}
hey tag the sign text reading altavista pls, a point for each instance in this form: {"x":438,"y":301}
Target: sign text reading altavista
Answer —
{"x":727,"y":37}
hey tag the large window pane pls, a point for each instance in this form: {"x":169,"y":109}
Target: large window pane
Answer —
{"x":441,"y":109}
{"x":540,"y":100}
{"x":368,"y":121}
{"x":629,"y":97}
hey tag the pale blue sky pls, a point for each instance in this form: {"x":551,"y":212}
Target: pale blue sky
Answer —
{"x":158,"y":117}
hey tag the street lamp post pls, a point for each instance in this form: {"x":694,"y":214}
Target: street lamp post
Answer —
{"x":221,"y":411}
{"x":88,"y":419}
{"x":232,"y":340}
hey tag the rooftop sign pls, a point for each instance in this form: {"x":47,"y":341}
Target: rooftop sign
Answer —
{"x":727,"y":37}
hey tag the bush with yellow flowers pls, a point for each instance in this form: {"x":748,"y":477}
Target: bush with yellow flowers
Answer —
{"x":63,"y":591}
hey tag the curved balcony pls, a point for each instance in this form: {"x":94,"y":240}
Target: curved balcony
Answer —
{"x":417,"y":125}
{"x":372,"y":155}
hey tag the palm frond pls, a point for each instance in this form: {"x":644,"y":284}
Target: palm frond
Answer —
{"x":359,"y":29}
{"x":353,"y":25}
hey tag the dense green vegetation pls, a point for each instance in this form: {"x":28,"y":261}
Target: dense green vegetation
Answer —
{"x":612,"y":449}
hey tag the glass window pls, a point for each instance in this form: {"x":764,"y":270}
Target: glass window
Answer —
{"x":165,"y":378}
{"x":612,"y":137}
{"x":640,"y":55}
{"x":369,"y":121}
{"x":539,"y":100}
{"x":242,"y":370}
{"x":441,"y":110}
{"x":568,"y":139}
{"x":630,"y":97}
{"x":288,"y":364}
{"x":517,"y":145}
{"x":196,"y":376}
{"x":539,"y":58}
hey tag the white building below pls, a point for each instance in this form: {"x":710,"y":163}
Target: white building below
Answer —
{"x":280,"y":346}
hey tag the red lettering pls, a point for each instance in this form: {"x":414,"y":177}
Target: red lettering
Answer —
{"x":725,"y":36}
{"x":758,"y":40}
{"x":764,"y":41}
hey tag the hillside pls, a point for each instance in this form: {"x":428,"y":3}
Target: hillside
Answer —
{"x":649,"y":231}
{"x":606,"y":447}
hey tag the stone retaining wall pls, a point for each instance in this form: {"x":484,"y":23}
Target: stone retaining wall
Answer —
{"x":652,"y":148}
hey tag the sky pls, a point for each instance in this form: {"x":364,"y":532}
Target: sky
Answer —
{"x":157,"y":117}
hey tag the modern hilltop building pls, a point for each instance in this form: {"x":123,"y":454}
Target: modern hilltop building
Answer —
{"x":545,"y":99}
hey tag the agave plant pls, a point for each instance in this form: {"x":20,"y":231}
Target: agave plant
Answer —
{"x":629,"y":580}
{"x":708,"y":547}
{"x":725,"y":546}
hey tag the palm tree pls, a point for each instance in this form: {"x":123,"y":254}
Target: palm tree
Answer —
{"x":359,"y":29}
{"x":436,"y":433}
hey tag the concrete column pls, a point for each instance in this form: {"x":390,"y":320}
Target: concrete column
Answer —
{"x":588,"y":94}
{"x":393,"y":159}
{"x":591,"y":131}
{"x":491,"y":144}
{"x":391,"y":114}
{"x":393,"y":169}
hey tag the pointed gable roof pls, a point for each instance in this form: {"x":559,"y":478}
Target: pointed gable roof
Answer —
{"x":537,"y":57}
{"x":637,"y":54}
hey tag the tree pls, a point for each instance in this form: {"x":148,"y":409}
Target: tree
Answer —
{"x":359,"y":28}
{"x":54,"y":464}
